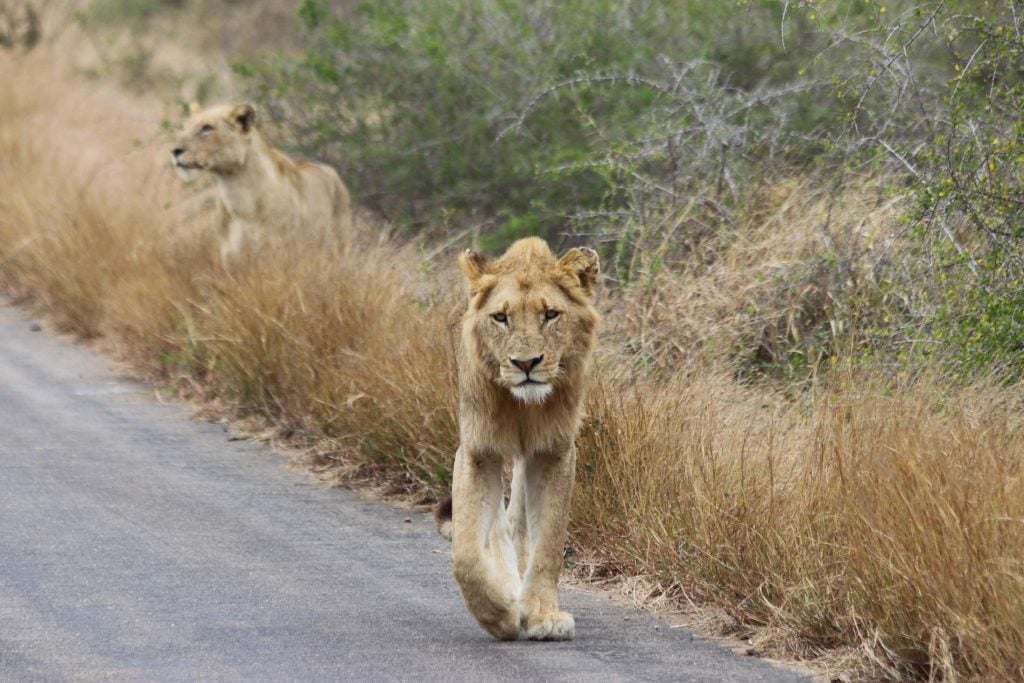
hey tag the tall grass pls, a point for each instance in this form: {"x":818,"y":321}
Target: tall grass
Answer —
{"x":891,"y":523}
{"x":880,"y":517}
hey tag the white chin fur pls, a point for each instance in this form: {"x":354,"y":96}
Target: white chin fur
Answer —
{"x":186,"y":174}
{"x":532,"y":393}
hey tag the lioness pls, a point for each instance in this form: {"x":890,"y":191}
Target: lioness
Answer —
{"x":263,"y":192}
{"x":526,"y":343}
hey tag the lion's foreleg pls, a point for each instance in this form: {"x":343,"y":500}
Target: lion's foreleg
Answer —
{"x":233,"y":241}
{"x":517,"y":516}
{"x":483,"y":556}
{"x":549,"y":483}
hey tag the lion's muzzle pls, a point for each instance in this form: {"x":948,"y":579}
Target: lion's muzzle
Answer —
{"x":532,"y":387}
{"x":527,"y":365}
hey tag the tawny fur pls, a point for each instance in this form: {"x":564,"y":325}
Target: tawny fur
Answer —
{"x":526,"y":305}
{"x":264,"y":194}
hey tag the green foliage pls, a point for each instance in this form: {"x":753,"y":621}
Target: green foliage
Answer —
{"x":647,"y":127}
{"x":418,"y":105}
{"x":518,"y":115}
{"x":971,"y":194}
{"x":107,"y":12}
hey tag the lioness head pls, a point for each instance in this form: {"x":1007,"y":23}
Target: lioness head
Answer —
{"x":215,"y":139}
{"x":530,"y":320}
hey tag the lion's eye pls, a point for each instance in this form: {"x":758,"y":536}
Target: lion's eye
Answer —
{"x":205,"y":128}
{"x":551,"y":314}
{"x":500,"y":317}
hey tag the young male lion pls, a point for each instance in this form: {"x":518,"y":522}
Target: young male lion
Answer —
{"x":527,"y":336}
{"x":263,"y":192}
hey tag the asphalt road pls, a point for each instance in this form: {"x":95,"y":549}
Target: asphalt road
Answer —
{"x":137,"y":544}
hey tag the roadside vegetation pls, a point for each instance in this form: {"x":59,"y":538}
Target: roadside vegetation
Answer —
{"x":807,"y":406}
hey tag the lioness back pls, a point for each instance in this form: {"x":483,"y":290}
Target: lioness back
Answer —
{"x":327,"y":201}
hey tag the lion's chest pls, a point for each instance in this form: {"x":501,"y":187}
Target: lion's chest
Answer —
{"x":516,"y":436}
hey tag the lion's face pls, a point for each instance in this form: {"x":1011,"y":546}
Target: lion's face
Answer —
{"x":215,"y":139}
{"x":530,"y":319}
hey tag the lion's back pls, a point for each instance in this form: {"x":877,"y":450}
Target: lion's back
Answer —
{"x":321,"y":192}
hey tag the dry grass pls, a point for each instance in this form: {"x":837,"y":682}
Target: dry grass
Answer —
{"x":890,"y":523}
{"x":884,"y":519}
{"x":764,"y":291}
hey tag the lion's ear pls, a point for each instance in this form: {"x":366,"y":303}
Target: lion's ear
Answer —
{"x":244,"y":115}
{"x":474,"y":265}
{"x":583,"y":264}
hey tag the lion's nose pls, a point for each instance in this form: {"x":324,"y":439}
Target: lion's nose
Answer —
{"x":527,"y":365}
{"x":178,"y":151}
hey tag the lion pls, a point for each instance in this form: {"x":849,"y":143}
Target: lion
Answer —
{"x":263,"y":192}
{"x":527,"y":336}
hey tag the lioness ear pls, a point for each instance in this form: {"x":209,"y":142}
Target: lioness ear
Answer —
{"x":244,"y":115}
{"x":583,"y":264}
{"x":473,"y":265}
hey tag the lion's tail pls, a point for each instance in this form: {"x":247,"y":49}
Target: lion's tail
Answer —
{"x":443,"y":517}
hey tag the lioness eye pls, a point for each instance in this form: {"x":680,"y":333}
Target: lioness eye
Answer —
{"x":551,"y":314}
{"x":500,"y":317}
{"x":205,"y":128}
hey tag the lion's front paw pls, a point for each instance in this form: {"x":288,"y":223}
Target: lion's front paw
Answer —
{"x":550,"y":626}
{"x":502,"y":626}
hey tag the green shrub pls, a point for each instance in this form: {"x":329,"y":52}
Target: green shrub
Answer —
{"x":513,"y":116}
{"x":108,"y":12}
{"x":968,"y":171}
{"x":647,"y":128}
